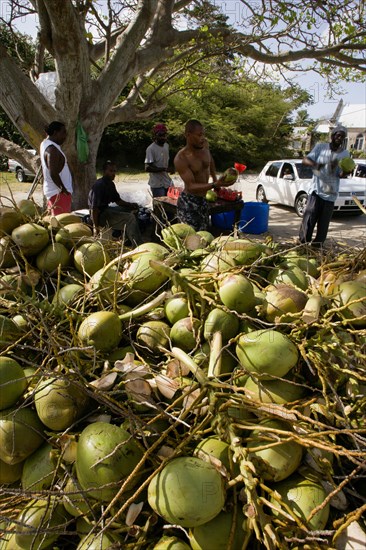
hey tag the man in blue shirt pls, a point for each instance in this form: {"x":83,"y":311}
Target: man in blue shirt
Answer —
{"x":121,"y":217}
{"x":323,"y":193}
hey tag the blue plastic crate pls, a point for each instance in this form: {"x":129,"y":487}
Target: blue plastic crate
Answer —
{"x":224,"y":220}
{"x":254,"y":218}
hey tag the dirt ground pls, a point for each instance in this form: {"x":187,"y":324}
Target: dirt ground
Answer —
{"x":283,"y":225}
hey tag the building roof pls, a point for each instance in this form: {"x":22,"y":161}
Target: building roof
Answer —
{"x":353,"y":115}
{"x":350,"y":115}
{"x":322,"y":128}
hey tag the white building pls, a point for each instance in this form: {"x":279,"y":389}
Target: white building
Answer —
{"x":353,"y":117}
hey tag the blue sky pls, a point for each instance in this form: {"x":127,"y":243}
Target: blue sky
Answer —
{"x":324,"y":106}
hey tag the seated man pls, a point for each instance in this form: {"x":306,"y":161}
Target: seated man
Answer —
{"x":120,"y":218}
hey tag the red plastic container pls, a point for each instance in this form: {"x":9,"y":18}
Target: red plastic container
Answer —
{"x":229,"y":195}
{"x":174,"y":192}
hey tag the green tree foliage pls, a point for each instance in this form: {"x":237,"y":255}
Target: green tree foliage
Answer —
{"x":20,"y":47}
{"x":246,"y":122}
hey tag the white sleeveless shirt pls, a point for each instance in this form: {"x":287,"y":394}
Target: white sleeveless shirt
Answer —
{"x":49,"y":187}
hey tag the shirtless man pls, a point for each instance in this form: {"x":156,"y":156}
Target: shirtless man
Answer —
{"x":194,"y":164}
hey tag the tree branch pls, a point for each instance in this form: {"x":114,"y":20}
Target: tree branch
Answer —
{"x":11,"y":150}
{"x":15,"y":100}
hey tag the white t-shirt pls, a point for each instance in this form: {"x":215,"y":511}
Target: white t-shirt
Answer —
{"x":49,"y":187}
{"x":159,"y":155}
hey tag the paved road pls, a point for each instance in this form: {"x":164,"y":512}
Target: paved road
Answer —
{"x":283,"y":222}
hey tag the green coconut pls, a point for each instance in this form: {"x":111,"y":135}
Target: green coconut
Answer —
{"x":99,"y":541}
{"x":194,"y":242}
{"x":39,"y":469}
{"x":72,"y":233}
{"x":184,"y":333}
{"x":120,"y":353}
{"x":171,"y":543}
{"x":206,"y":236}
{"x":306,"y":264}
{"x":140,"y":276}
{"x":351,"y":297}
{"x":217,"y":262}
{"x":228,"y":359}
{"x":29,"y":208}
{"x":76,"y":502}
{"x":9,"y":331}
{"x":66,"y":294}
{"x":7,"y":252}
{"x":20,"y":321}
{"x":90,"y":257}
{"x":31,"y":238}
{"x":21,"y":433}
{"x":215,"y":534}
{"x":101,"y":329}
{"x":213,"y":446}
{"x":173,"y":235}
{"x":187,"y":492}
{"x":10,"y":218}
{"x":222,"y":321}
{"x":106,"y":282}
{"x":10,"y":473}
{"x":176,"y":308}
{"x":347,"y":164}
{"x":40,"y":523}
{"x":7,"y":540}
{"x":290,"y":275}
{"x":244,"y":252}
{"x":282,"y":299}
{"x":67,"y":218}
{"x":106,"y":454}
{"x":52,"y":257}
{"x":154,"y":335}
{"x":59,"y":403}
{"x":302,"y":496}
{"x":271,"y":391}
{"x":230,"y":175}
{"x":12,"y":286}
{"x":236,"y":293}
{"x":211,"y":196}
{"x":220,"y":241}
{"x":156,"y":249}
{"x":266,"y":352}
{"x":12,"y":382}
{"x":272,"y":460}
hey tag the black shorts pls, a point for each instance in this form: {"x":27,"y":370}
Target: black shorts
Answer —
{"x":193,"y":210}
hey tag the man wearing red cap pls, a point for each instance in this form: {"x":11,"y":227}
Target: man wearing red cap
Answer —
{"x":157,"y":161}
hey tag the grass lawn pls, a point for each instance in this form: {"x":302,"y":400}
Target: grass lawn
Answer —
{"x":9,"y":184}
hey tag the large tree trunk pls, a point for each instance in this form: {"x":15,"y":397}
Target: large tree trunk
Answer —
{"x":84,"y":174}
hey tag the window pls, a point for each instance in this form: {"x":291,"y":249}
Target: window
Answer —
{"x":359,"y":142}
{"x":287,"y":171}
{"x":273,"y":169}
{"x":305,"y":172}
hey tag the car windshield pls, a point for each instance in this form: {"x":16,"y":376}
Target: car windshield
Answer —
{"x":305,"y":172}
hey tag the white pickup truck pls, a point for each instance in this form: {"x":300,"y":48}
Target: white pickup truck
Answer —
{"x":21,"y":173}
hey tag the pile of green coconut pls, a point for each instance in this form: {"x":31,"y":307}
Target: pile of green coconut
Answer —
{"x":191,"y":393}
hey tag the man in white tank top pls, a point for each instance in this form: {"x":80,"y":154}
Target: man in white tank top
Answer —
{"x":57,"y":178}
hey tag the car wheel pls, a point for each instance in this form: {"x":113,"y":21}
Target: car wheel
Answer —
{"x":261,"y":195}
{"x":300,"y":204}
{"x":20,"y":175}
